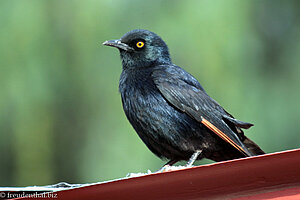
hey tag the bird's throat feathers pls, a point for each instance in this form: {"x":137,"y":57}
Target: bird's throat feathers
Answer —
{"x":152,"y":57}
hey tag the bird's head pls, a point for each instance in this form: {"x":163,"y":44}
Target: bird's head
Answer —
{"x":141,"y":48}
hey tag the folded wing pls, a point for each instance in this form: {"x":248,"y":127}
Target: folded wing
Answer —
{"x":189,"y":97}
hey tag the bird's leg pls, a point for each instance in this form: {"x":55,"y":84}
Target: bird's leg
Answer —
{"x":193,"y":158}
{"x":167,"y":166}
{"x":170,"y":163}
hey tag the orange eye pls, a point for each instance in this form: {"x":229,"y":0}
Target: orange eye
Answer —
{"x":140,"y":44}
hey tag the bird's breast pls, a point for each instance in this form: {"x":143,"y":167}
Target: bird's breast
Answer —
{"x":153,"y":118}
{"x":143,"y":104}
{"x":139,"y":95}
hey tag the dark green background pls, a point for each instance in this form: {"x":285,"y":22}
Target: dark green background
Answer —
{"x":60,"y":112}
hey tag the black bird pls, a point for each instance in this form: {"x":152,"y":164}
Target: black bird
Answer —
{"x":170,"y":110}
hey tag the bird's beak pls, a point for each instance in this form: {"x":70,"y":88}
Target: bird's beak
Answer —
{"x":118,"y":44}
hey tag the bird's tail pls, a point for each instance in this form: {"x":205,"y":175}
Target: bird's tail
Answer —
{"x":252,"y":147}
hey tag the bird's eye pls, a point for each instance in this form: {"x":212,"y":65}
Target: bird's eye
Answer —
{"x":140,"y":44}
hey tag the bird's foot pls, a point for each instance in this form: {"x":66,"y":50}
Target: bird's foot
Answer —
{"x":168,"y":168}
{"x":130,"y":175}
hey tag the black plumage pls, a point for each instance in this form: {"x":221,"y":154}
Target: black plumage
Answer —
{"x":170,"y":110}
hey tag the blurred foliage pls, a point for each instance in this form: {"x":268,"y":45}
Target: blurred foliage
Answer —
{"x":60,"y":112}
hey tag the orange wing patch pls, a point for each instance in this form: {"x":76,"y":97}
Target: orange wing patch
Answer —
{"x":223,"y":135}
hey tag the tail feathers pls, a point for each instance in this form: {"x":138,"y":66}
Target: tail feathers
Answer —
{"x":252,"y":147}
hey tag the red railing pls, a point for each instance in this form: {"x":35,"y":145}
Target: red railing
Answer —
{"x":275,"y":175}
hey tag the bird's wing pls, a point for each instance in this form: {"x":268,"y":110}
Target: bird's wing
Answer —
{"x":186,"y":96}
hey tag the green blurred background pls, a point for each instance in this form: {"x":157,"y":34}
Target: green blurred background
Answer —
{"x":60,"y":111}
